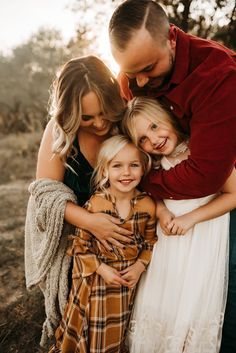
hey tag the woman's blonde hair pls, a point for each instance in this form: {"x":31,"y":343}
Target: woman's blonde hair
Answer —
{"x":109,"y":149}
{"x":77,"y":78}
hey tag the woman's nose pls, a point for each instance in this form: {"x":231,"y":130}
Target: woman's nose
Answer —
{"x":98,"y":122}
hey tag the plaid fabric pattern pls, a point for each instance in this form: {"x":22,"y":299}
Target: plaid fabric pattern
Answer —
{"x":97,"y":315}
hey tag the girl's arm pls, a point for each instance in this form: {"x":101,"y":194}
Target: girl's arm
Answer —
{"x":132,"y":273}
{"x":150,"y":236}
{"x":111,"y":276}
{"x":104,"y":227}
{"x":223,"y":203}
{"x":164,"y":216}
{"x":86,"y":261}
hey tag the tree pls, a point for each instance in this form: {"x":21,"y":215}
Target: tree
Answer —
{"x":26,"y":76}
{"x":205,"y":19}
{"x":213,"y":19}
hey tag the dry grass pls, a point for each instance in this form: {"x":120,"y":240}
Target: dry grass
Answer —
{"x":21,"y":312}
{"x":18,"y":155}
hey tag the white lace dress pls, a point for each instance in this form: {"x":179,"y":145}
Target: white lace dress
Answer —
{"x":181,"y":298}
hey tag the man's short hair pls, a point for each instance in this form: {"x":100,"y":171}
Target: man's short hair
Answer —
{"x":132,"y":15}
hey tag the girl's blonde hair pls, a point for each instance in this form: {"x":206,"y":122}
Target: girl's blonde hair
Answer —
{"x":77,"y":78}
{"x":150,"y":109}
{"x":109,"y":149}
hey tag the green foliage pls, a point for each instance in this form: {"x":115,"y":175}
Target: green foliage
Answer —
{"x":26,"y":76}
{"x":205,"y":19}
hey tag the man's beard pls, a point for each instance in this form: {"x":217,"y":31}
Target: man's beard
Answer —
{"x":152,"y":83}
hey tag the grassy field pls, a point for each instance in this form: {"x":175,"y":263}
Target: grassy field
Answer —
{"x":21,"y":312}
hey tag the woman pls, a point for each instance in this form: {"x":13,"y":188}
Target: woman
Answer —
{"x":85,"y":105}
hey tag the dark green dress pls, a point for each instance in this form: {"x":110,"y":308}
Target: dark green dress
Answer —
{"x":79,"y":182}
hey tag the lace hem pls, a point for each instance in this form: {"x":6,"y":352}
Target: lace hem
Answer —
{"x":155,"y":337}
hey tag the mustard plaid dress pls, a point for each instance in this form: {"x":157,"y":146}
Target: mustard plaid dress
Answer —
{"x":97,"y":315}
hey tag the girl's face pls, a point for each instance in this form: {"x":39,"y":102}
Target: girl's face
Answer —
{"x":155,"y":138}
{"x":125,"y":170}
{"x":93,"y":120}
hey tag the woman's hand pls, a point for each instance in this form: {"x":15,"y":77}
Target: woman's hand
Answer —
{"x":108,"y":229}
{"x":132,"y":273}
{"x":111,"y":276}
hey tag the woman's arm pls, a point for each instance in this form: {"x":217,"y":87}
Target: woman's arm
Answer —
{"x":223,"y":203}
{"x":104,"y":227}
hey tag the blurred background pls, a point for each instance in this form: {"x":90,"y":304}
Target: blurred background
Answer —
{"x":36,"y":38}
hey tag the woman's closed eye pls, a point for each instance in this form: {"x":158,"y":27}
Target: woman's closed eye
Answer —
{"x":87,"y":117}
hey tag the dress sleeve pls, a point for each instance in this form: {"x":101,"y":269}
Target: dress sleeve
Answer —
{"x":84,"y":250}
{"x":150,"y":236}
{"x":212,"y":144}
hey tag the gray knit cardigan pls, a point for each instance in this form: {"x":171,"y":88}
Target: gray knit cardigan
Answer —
{"x":46,"y":242}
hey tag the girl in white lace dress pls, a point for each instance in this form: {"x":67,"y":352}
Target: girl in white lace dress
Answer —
{"x":181,"y":299}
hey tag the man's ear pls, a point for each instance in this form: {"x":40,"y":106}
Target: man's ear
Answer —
{"x":172,"y":37}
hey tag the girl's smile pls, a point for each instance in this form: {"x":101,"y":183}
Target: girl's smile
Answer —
{"x":125,"y":170}
{"x":155,"y":138}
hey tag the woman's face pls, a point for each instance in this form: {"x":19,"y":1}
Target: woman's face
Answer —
{"x":93,"y":120}
{"x":155,"y":138}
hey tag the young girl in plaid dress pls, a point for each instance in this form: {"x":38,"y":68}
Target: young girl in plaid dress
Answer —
{"x":104,"y":281}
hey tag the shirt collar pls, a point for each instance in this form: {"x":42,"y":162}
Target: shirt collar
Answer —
{"x":180,"y":70}
{"x":181,"y":63}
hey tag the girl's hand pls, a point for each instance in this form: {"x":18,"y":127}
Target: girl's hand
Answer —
{"x":132,"y":273}
{"x":111,"y":276}
{"x":165,"y":218}
{"x":108,"y":229}
{"x":180,"y":225}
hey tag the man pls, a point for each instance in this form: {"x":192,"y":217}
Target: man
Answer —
{"x":196,"y":80}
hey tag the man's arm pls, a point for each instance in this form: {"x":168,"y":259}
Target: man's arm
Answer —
{"x":212,"y":146}
{"x":224,"y":202}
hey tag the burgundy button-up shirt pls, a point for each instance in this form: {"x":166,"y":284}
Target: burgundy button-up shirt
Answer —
{"x":201,"y":94}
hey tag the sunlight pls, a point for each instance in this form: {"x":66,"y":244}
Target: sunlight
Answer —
{"x":105,"y":53}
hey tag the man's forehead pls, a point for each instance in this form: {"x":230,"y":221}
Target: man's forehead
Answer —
{"x":141,"y":51}
{"x":133,"y":62}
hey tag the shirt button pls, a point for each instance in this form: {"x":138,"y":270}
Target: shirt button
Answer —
{"x":171,"y":107}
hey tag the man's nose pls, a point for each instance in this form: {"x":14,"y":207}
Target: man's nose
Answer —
{"x":141,"y":80}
